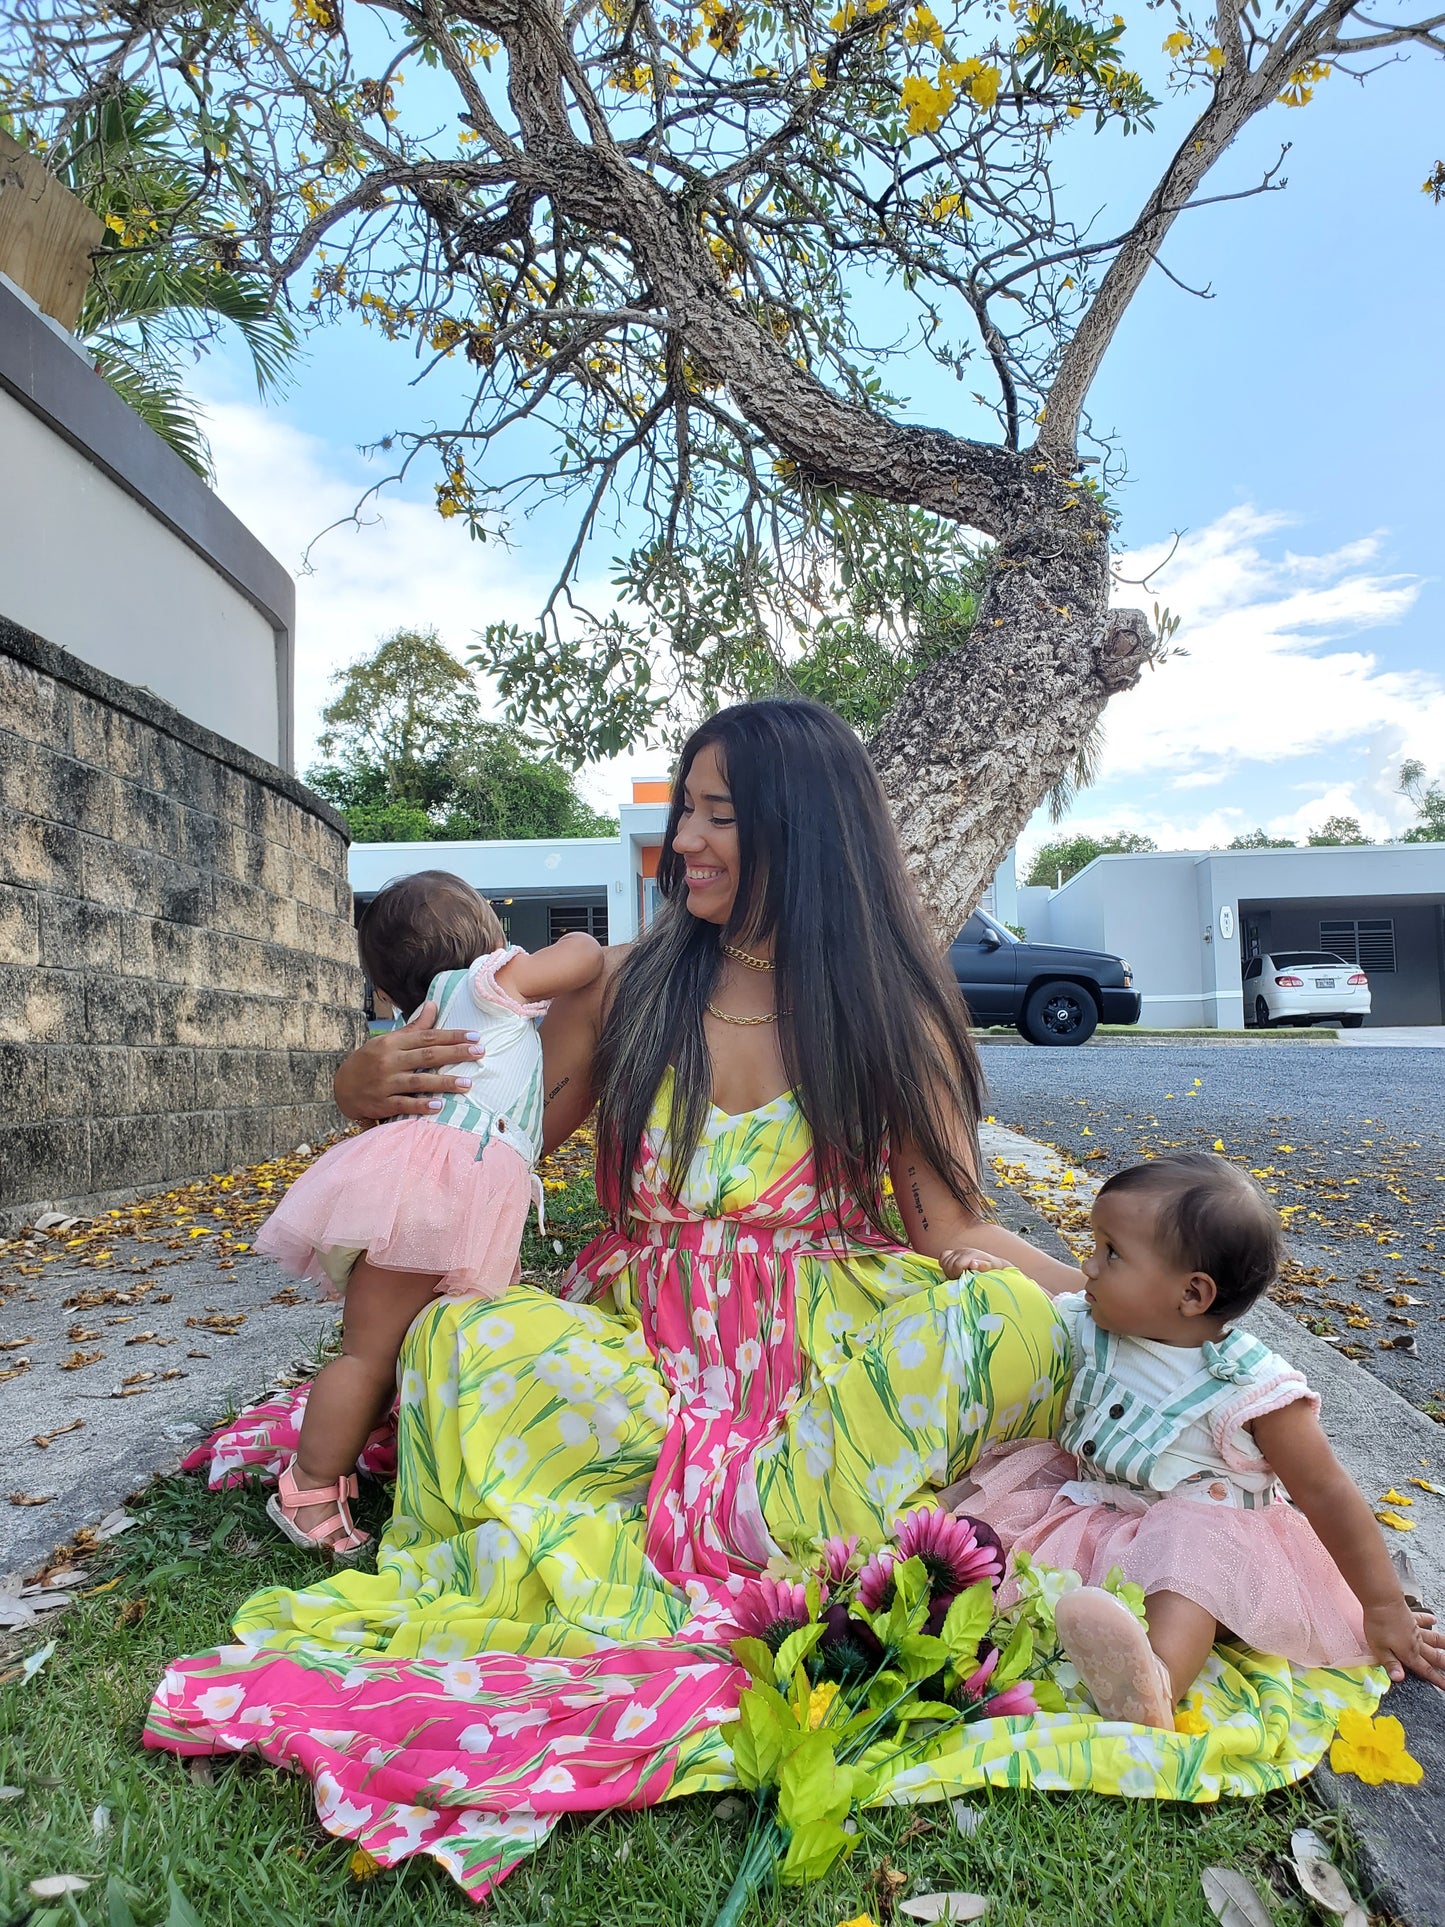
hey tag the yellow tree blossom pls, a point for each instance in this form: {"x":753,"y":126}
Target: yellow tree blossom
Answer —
{"x":1374,"y":1751}
{"x":1300,"y":90}
{"x":980,"y":80}
{"x":1177,"y":42}
{"x":923,"y":29}
{"x":927,"y":105}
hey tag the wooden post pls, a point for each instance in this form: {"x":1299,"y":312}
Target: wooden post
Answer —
{"x":47,"y":236}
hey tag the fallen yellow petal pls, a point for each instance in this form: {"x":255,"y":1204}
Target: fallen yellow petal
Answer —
{"x":1392,"y":1497}
{"x":1393,"y":1520}
{"x":363,"y":1865}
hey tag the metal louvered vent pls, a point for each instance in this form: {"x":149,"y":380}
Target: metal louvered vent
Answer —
{"x":590,"y":918}
{"x":1366,"y":941}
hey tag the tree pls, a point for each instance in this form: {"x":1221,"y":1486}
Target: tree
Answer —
{"x":410,"y":757}
{"x":1067,"y":855}
{"x":1336,"y":831}
{"x":638,"y":229}
{"x":148,"y":304}
{"x":1428,"y":798}
{"x":1259,"y":840}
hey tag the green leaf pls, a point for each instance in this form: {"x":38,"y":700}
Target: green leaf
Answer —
{"x":808,"y":1786}
{"x":926,"y":1710}
{"x":1015,"y":1659}
{"x":813,"y":1848}
{"x":117,"y":1905}
{"x":920,"y":1654}
{"x":967,"y":1620}
{"x":757,"y":1740}
{"x":182,"y":1914}
{"x":795,"y":1649}
{"x":757,"y":1656}
{"x":1048,"y":1696}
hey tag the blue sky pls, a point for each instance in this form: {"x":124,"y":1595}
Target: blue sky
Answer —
{"x":1289,"y":428}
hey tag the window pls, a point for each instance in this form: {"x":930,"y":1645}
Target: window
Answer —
{"x":1309,"y":960}
{"x":1252,"y":969}
{"x":563,"y":918}
{"x":1366,"y":941}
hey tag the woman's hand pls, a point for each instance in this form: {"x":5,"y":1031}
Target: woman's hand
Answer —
{"x":1405,"y":1642}
{"x":396,"y":1073}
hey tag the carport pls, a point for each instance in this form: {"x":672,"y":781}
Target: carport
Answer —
{"x":1396,"y":941}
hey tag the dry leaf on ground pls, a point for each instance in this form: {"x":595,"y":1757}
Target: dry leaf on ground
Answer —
{"x":1234,"y":1900}
{"x":949,"y":1906}
{"x":1321,"y":1879}
{"x":55,"y":1886}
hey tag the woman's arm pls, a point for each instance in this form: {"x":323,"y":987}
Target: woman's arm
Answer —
{"x":1293,"y":1441}
{"x":396,"y":1073}
{"x":936,"y":1223}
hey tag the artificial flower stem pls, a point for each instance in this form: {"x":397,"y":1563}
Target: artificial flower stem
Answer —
{"x":760,"y":1856}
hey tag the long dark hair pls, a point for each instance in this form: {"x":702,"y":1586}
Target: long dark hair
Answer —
{"x":874,"y":1036}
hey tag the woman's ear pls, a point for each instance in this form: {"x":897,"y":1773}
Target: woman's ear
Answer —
{"x":1199,"y":1295}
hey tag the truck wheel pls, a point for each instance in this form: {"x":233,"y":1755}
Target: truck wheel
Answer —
{"x":1059,"y":1013}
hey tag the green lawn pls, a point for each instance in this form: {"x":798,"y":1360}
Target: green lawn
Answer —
{"x":240,"y":1840}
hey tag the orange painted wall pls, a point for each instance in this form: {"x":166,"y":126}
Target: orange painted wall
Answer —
{"x":646,"y":791}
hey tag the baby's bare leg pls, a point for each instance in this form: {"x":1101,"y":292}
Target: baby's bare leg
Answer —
{"x":350,"y":1394}
{"x":1181,"y":1633}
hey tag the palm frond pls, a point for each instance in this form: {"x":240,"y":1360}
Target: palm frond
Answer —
{"x":1082,"y":773}
{"x":157,"y":397}
{"x":152,"y":291}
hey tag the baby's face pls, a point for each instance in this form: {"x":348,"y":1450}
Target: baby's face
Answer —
{"x":1133,"y":1289}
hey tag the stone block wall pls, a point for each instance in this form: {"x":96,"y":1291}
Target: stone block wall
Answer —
{"x":178,"y":972}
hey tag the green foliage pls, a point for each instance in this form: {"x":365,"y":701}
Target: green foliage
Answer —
{"x":1070,"y":854}
{"x":409,"y":756}
{"x":1260,"y":840}
{"x":161,"y":284}
{"x":1429,"y":801}
{"x":1336,"y":831}
{"x":904,"y":593}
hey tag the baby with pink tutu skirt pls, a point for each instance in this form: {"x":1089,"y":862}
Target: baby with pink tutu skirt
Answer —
{"x":420,"y":1205}
{"x":1191,"y":1457}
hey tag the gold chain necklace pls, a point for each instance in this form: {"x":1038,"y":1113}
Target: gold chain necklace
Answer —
{"x":726,"y":1017}
{"x":746,"y":958}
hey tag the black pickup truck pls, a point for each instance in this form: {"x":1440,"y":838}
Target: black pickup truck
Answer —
{"x":1051,"y":992}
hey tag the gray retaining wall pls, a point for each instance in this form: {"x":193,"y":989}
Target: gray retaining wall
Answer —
{"x":178,"y":969}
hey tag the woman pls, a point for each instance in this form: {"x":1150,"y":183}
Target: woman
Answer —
{"x":749,"y":1358}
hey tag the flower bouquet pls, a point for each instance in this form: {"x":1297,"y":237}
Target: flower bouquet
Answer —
{"x":859,"y":1665}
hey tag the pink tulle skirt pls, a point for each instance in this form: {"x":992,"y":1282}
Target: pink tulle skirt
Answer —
{"x":412,"y":1196}
{"x":1264,"y":1575}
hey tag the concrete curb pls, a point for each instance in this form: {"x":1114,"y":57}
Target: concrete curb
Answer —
{"x":1178,"y":1039}
{"x":1381,"y":1439}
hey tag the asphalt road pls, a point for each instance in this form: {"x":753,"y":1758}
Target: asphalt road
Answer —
{"x":1350,"y":1144}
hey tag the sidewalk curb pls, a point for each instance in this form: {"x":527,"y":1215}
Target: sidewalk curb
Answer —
{"x":1379,"y":1437}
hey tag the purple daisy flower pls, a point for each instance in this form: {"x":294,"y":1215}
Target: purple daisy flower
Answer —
{"x":956,"y":1551}
{"x":837,"y":1558}
{"x":770,"y":1610}
{"x":875,"y":1581}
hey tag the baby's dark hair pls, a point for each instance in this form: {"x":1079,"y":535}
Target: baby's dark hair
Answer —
{"x":422,"y":924}
{"x":1212,"y":1218}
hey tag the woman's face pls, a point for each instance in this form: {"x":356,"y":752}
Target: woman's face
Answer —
{"x":707,"y":838}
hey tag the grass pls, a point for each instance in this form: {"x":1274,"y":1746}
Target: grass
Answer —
{"x":241,"y":1842}
{"x":246,"y":1850}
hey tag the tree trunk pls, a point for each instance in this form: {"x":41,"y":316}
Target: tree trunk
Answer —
{"x":974,"y":744}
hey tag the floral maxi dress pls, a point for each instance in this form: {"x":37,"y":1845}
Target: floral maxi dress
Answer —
{"x":584,"y":1482}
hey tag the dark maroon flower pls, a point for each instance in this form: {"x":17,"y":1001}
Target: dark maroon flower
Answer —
{"x":849,"y":1650}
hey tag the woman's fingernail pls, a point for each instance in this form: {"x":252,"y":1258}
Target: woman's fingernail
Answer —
{"x":477,"y":1050}
{"x":474,"y":1037}
{"x":464,"y":1083}
{"x":435,"y":1103}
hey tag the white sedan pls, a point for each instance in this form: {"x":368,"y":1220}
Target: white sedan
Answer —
{"x":1305,"y":987}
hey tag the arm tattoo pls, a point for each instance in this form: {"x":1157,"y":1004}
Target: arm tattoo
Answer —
{"x":917,"y":1196}
{"x":557,"y":1089}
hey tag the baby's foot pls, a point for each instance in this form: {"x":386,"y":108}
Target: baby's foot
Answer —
{"x":1125,"y":1676}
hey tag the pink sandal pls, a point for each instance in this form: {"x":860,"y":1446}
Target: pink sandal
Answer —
{"x":336,"y":1535}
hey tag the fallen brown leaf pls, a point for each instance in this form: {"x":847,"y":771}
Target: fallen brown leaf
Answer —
{"x":32,"y":1498}
{"x":78,"y":1360}
{"x":45,"y":1439}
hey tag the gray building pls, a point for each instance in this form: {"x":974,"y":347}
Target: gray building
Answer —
{"x":1189,"y":920}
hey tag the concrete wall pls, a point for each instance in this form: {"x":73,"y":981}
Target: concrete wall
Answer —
{"x":178,"y":968}
{"x":112,"y":548}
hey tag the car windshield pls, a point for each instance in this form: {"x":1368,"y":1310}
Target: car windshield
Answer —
{"x":1309,"y":960}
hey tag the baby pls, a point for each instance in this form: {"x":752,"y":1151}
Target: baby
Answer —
{"x":422,"y":1205}
{"x":1191,"y":1456}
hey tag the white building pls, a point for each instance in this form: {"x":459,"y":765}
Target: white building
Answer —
{"x":1189,"y":920}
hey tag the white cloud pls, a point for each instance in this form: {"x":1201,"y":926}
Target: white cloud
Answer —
{"x":1276,"y":674}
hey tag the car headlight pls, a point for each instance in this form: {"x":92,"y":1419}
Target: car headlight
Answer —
{"x":1128,"y":970}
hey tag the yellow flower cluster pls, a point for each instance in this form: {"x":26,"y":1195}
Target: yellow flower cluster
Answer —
{"x":820,"y":1700}
{"x":132,"y":231}
{"x":455,"y":494}
{"x":1300,"y":90}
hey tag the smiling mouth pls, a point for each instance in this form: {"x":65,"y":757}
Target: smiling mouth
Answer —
{"x":700,"y":879}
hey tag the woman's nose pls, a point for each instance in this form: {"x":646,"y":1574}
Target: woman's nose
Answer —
{"x":685,"y":839}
